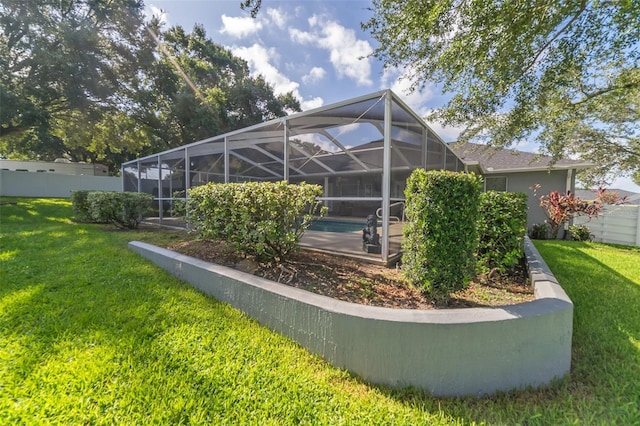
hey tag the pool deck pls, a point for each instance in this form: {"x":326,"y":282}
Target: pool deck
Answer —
{"x":344,"y":243}
{"x":350,"y":244}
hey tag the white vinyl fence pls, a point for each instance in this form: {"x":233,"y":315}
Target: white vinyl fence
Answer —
{"x":32,"y":184}
{"x":618,"y":224}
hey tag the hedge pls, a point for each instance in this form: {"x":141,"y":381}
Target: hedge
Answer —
{"x":441,"y":237}
{"x":502,"y":224}
{"x":263,"y":219}
{"x":123,"y":209}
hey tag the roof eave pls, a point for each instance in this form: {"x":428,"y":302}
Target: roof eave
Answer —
{"x":579,"y":166}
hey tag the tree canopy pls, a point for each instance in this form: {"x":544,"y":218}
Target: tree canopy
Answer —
{"x":564,"y":74}
{"x":196,"y":89}
{"x":94,"y":81}
{"x":59,"y":60}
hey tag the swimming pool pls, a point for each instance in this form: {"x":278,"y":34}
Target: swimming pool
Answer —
{"x":336,"y":226}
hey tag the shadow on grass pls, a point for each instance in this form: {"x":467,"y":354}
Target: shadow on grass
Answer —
{"x":86,"y":288}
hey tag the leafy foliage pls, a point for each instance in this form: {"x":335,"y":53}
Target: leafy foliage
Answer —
{"x":580,"y":233}
{"x":80,"y":205}
{"x":564,"y":74}
{"x":59,"y":60}
{"x":92,"y":81}
{"x":123,"y":209}
{"x":539,"y":231}
{"x":502,"y":224}
{"x":196,"y":88}
{"x":560,"y":208}
{"x":441,"y":237}
{"x":264,"y":219}
{"x":92,"y":335}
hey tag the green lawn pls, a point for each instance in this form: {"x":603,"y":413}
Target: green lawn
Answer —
{"x":90,"y":333}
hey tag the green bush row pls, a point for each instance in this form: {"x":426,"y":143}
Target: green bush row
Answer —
{"x":454,"y":230}
{"x":441,"y":237}
{"x":264,"y":219}
{"x":502,"y":224}
{"x":123,"y":209}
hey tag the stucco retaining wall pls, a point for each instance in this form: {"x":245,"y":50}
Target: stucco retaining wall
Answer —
{"x":473,"y":351}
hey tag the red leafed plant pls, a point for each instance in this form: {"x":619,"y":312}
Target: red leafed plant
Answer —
{"x":560,"y":208}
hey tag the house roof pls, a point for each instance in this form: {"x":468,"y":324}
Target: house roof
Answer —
{"x":499,"y":160}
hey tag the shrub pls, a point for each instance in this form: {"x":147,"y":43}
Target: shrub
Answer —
{"x":441,"y":237}
{"x":264,"y":219}
{"x":502,"y":224}
{"x":123,"y":209}
{"x":80,"y":206}
{"x":580,"y":233}
{"x":539,"y":231}
{"x":561,"y":208}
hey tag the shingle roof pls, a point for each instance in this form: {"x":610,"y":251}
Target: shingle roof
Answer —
{"x":492,"y":159}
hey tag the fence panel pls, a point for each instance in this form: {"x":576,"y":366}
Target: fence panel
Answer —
{"x":31,"y":184}
{"x":617,"y":224}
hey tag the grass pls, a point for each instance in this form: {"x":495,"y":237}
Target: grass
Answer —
{"x":91,"y":333}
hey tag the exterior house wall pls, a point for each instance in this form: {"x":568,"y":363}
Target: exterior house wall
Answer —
{"x":555,"y":180}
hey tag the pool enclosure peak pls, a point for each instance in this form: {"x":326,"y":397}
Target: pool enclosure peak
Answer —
{"x":360,"y":151}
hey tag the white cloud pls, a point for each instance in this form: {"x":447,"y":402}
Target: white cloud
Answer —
{"x":347,"y":53}
{"x":258,"y":57}
{"x":240,"y":27}
{"x":315,"y":75}
{"x":301,"y":37}
{"x":448,"y":134}
{"x":154,"y":11}
{"x":278,"y":17}
{"x":316,"y":102}
{"x":420,"y":100}
{"x":625,"y":183}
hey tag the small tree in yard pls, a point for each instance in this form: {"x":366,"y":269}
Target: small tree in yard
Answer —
{"x":560,"y":208}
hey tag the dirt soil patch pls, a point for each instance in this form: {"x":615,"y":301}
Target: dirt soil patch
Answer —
{"x":356,"y":281}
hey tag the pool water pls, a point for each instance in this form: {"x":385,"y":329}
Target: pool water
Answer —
{"x":336,"y":226}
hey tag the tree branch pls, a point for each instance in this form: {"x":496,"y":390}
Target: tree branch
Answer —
{"x":583,"y":7}
{"x":588,"y":96}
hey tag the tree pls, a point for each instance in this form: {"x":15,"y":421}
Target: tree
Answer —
{"x":65,"y":65}
{"x":253,"y":5}
{"x":197,"y":89}
{"x":561,"y":208}
{"x":564,"y":74}
{"x":92,"y":81}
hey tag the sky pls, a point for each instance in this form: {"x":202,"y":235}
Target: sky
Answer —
{"x":314,"y":48}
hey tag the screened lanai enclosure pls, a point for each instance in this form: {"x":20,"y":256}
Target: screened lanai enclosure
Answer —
{"x":360,"y":151}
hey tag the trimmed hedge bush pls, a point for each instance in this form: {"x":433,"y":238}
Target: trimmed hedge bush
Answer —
{"x":502,"y":224}
{"x":441,"y":237}
{"x":123,"y":209}
{"x":264,"y":219}
{"x":80,"y":206}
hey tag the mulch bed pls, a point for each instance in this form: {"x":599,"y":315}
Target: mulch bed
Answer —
{"x":353,"y":280}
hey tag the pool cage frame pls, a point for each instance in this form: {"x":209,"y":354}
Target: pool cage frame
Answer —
{"x":360,"y":151}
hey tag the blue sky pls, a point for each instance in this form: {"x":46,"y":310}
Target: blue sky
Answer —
{"x":315,"y":48}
